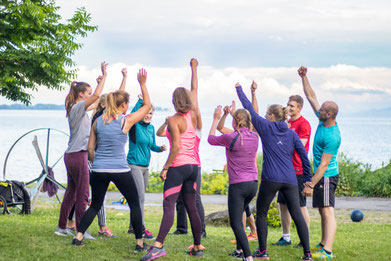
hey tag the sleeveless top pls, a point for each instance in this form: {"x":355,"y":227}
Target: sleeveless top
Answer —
{"x":110,"y":155}
{"x":186,"y":154}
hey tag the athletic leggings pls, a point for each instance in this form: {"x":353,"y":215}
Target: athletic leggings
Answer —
{"x":180,"y":179}
{"x":124,"y":181}
{"x":181,"y":216}
{"x":101,"y":214}
{"x":267,"y":191}
{"x":239,"y":196}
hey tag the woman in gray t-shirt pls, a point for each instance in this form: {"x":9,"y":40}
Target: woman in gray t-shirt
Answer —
{"x":79,"y":100}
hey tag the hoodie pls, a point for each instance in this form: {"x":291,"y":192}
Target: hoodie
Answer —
{"x":278,"y":144}
{"x":141,"y":141}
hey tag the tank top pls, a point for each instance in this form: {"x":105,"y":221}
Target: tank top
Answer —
{"x":186,"y":154}
{"x":110,"y":154}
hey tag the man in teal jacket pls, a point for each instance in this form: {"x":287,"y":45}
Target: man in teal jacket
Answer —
{"x":141,"y":143}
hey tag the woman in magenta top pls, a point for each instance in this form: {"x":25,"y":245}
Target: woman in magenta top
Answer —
{"x":241,"y":148}
{"x":180,"y":170}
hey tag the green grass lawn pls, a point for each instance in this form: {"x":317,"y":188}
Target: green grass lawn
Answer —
{"x":32,"y":238}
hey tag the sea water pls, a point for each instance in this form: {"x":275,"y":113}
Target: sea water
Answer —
{"x":363,"y":139}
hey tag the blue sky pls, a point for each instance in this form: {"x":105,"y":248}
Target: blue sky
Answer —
{"x":345,"y":44}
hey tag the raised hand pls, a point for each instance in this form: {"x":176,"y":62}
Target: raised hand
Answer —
{"x":232,"y":108}
{"x":142,"y":76}
{"x":302,"y":71}
{"x":254,"y":87}
{"x":103,"y":67}
{"x":98,"y":79}
{"x":193,"y":63}
{"x":237,"y":85}
{"x":226,"y":109}
{"x":217,"y":113}
{"x":124,"y":72}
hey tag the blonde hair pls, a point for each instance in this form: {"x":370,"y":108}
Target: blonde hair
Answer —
{"x":181,"y":100}
{"x":242,"y":118}
{"x":280,"y":113}
{"x":101,"y":104}
{"x":76,"y":88}
{"x":113,"y":101}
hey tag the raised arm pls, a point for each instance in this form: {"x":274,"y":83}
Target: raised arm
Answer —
{"x":258,"y":122}
{"x":254,"y":101}
{"x":161,"y":132}
{"x":98,"y":91}
{"x":137,"y":116}
{"x":194,"y":91}
{"x":308,"y":91}
{"x":216,"y":117}
{"x":124,"y":72}
{"x":220,"y":125}
{"x":138,"y":104}
{"x":173,"y":125}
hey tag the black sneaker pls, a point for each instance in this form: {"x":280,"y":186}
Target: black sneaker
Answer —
{"x":192,"y":252}
{"x":307,"y":256}
{"x":138,"y":248}
{"x":300,"y":245}
{"x":282,"y":242}
{"x":261,"y":254}
{"x":236,"y":254}
{"x":77,"y":242}
{"x":178,"y":232}
{"x":203,"y":234}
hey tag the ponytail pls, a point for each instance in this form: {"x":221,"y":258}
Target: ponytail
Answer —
{"x":76,"y":88}
{"x":113,"y":102}
{"x":280,"y":113}
{"x":242,"y":119}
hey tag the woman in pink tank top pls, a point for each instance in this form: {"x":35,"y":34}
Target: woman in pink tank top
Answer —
{"x":181,"y":168}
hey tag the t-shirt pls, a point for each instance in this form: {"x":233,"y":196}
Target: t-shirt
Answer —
{"x":79,"y":128}
{"x":303,"y":128}
{"x":327,"y":140}
{"x":240,"y":158}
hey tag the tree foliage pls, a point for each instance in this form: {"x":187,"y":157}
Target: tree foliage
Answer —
{"x":36,"y":46}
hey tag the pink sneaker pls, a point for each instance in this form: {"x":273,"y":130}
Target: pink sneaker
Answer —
{"x":148,"y":234}
{"x":106,"y":232}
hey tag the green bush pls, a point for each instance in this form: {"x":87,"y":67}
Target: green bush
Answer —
{"x":357,"y":179}
{"x":155,"y":183}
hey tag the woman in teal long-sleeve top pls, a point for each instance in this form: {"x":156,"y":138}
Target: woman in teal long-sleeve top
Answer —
{"x":141,"y":142}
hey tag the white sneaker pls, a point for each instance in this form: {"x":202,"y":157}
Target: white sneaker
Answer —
{"x":63,"y":232}
{"x":88,"y":236}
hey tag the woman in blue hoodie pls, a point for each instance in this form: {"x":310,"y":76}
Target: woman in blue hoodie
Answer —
{"x":141,"y":143}
{"x":278,"y":174}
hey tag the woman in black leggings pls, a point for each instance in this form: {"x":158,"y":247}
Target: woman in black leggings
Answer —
{"x":278,"y":144}
{"x":109,"y":136}
{"x":241,"y":150}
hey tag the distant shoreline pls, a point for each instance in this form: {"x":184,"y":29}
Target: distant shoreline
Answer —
{"x":51,"y":107}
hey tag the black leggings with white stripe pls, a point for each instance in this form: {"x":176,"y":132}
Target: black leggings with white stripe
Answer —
{"x":267,"y":192}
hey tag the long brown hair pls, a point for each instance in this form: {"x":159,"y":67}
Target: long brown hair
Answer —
{"x":76,"y":88}
{"x":242,"y":118}
{"x":280,"y":113}
{"x":113,"y":101}
{"x":181,"y":100}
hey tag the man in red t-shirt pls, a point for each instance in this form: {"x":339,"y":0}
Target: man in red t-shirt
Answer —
{"x":303,"y":128}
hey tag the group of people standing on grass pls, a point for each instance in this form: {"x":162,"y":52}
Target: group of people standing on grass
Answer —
{"x":286,"y":168}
